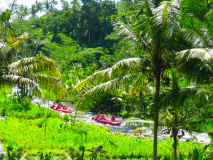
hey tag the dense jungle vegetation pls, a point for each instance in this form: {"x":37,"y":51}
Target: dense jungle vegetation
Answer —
{"x":150,"y":59}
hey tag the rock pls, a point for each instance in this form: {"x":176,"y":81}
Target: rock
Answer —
{"x":147,"y":134}
{"x":1,"y":150}
{"x":188,"y":140}
{"x":142,"y":136}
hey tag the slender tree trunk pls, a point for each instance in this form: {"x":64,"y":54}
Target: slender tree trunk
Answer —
{"x":175,"y":137}
{"x":82,"y":155}
{"x":156,"y":109}
{"x":47,"y":114}
{"x":175,"y":144}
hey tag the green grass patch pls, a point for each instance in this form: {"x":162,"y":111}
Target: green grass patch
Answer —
{"x":30,"y":134}
{"x":12,"y":107}
{"x":207,"y":126}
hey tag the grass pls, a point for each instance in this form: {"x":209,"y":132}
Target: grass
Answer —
{"x":30,"y":134}
{"x":207,"y":126}
{"x":26,"y":126}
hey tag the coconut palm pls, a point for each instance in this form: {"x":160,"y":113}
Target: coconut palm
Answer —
{"x":34,"y":72}
{"x":33,"y":10}
{"x":47,"y":5}
{"x":176,"y":111}
{"x":52,"y":4}
{"x":155,"y":25}
{"x":38,"y":6}
{"x":22,"y":11}
{"x":65,"y":4}
{"x":28,"y":72}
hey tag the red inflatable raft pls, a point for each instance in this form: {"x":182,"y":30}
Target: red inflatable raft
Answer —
{"x":107,"y":121}
{"x":61,"y":110}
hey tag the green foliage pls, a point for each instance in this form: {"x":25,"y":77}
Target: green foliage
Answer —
{"x":180,"y":156}
{"x":22,"y":108}
{"x":199,"y":155}
{"x":195,"y":154}
{"x":42,"y":156}
{"x":14,"y":154}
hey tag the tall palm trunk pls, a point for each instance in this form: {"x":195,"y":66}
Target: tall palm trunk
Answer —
{"x":156,"y":113}
{"x":175,"y":143}
{"x":175,"y":137}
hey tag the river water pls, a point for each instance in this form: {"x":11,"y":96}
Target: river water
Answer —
{"x":128,"y":125}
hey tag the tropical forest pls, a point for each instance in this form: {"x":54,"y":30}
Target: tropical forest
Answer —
{"x":106,"y":79}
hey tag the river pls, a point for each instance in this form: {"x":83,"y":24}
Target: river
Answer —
{"x":128,"y":125}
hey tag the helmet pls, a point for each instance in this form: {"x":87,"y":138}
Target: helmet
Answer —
{"x":98,"y":114}
{"x":114,"y":115}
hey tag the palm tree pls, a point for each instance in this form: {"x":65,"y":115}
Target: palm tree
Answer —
{"x":38,"y":6}
{"x":176,"y":112}
{"x":52,"y":4}
{"x":65,"y":4}
{"x":22,"y":11}
{"x":28,"y":72}
{"x":34,"y":72}
{"x":33,"y":10}
{"x":154,"y":26}
{"x":47,"y":5}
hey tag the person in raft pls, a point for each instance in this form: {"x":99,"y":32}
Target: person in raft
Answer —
{"x":103,"y":117}
{"x":54,"y":106}
{"x":98,"y":117}
{"x":59,"y":106}
{"x":65,"y":107}
{"x":113,"y":119}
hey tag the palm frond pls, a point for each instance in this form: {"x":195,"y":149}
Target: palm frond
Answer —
{"x":89,"y":80}
{"x":196,"y":64}
{"x":138,"y":34}
{"x":167,"y":118}
{"x":143,"y":23}
{"x":190,"y":92}
{"x":186,"y":115}
{"x":124,"y":30}
{"x":166,"y":17}
{"x":25,"y":81}
{"x":120,"y":68}
{"x":177,"y":98}
{"x":34,"y":65}
{"x":126,"y":65}
{"x":13,"y":43}
{"x":140,"y":83}
{"x":91,"y":96}
{"x":49,"y":83}
{"x":200,"y":53}
{"x":193,"y":36}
